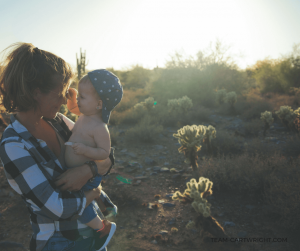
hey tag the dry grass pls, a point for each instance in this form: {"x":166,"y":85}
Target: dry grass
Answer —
{"x":145,"y":131}
{"x":227,"y":144}
{"x":275,"y":178}
{"x":282,"y":191}
{"x":253,"y":127}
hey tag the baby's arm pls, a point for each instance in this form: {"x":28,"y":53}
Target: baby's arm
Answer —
{"x":102,"y":139}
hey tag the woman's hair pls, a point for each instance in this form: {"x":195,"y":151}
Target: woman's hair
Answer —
{"x":25,"y":69}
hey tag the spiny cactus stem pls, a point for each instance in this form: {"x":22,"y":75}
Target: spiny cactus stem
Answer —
{"x":211,"y":225}
{"x":193,"y":159}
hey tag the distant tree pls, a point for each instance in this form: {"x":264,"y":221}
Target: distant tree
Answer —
{"x":137,"y":77}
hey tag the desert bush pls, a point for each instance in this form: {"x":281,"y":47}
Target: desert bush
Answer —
{"x":287,"y":116}
{"x":136,"y":77}
{"x":180,"y":105}
{"x":201,"y":114}
{"x":221,"y":96}
{"x":266,"y":117}
{"x":256,"y":146}
{"x":231,"y":98}
{"x":242,"y":173}
{"x":128,"y":117}
{"x":292,"y":146}
{"x":282,"y":191}
{"x":252,"y":108}
{"x":274,"y":179}
{"x":226,"y":144}
{"x":147,"y":130}
{"x":130,"y":98}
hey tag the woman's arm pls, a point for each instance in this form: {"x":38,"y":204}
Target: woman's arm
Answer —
{"x":74,"y":178}
{"x":27,"y":179}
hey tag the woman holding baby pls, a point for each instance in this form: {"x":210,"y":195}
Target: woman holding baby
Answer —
{"x":33,"y":85}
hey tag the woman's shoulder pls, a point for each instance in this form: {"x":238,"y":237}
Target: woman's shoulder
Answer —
{"x":9,"y":135}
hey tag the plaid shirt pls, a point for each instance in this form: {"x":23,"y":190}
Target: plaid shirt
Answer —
{"x":31,"y":168}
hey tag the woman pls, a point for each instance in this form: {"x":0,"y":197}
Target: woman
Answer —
{"x":33,"y":85}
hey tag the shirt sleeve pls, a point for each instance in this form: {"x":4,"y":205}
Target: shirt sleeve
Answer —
{"x":27,"y":179}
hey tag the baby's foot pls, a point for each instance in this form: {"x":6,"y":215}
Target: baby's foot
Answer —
{"x":103,"y":237}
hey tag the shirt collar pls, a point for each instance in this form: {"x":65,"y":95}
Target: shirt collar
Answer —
{"x":19,"y":128}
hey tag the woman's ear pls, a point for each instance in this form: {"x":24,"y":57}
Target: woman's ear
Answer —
{"x":36,"y":94}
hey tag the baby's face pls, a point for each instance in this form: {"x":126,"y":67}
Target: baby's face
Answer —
{"x":87,"y":98}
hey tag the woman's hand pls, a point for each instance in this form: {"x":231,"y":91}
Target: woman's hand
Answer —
{"x":74,"y":178}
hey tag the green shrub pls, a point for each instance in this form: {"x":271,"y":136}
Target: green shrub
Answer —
{"x":146,"y":130}
{"x":221,"y":96}
{"x":180,"y":105}
{"x":231,"y":98}
{"x":287,"y":116}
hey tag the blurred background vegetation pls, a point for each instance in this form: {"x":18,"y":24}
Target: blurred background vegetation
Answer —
{"x":266,"y":85}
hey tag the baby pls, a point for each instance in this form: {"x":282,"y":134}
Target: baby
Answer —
{"x":98,"y":94}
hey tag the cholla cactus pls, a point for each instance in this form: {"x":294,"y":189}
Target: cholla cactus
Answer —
{"x":287,"y":116}
{"x":297,"y":112}
{"x":149,"y":103}
{"x":198,"y":191}
{"x":190,"y":138}
{"x":231,"y":98}
{"x":266,"y":117}
{"x":221,"y":96}
{"x":210,"y":134}
{"x":180,"y":105}
{"x":139,"y":107}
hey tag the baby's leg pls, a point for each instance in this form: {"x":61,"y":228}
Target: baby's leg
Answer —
{"x":95,"y":223}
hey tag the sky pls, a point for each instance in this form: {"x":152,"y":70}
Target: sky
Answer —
{"x":123,"y":33}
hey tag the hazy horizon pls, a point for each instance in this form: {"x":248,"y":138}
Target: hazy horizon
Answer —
{"x":120,"y":34}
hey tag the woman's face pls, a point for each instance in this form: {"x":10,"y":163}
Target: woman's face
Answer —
{"x":49,"y":104}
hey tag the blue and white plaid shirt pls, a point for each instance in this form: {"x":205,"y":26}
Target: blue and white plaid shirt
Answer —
{"x":31,"y":168}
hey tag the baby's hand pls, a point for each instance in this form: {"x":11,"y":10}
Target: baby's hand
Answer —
{"x":79,"y":148}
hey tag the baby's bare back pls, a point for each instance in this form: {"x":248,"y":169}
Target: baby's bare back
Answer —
{"x":81,"y":133}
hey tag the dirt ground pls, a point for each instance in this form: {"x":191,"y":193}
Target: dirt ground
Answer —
{"x":138,"y":226}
